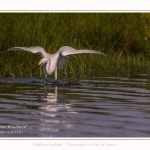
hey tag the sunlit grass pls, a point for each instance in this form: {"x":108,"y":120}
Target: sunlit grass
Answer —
{"x":124,"y":38}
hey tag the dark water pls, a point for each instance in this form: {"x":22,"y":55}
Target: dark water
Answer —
{"x":106,"y":106}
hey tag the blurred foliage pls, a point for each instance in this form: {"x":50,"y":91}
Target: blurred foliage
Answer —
{"x":124,"y":37}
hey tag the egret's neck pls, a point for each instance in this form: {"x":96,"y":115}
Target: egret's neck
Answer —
{"x":45,"y":54}
{"x":56,"y":55}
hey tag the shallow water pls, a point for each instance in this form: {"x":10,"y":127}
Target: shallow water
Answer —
{"x":106,"y":106}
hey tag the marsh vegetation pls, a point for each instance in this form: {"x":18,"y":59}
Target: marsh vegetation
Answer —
{"x":123,"y":37}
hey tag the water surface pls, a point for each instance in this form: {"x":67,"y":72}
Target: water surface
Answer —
{"x":103,"y":106}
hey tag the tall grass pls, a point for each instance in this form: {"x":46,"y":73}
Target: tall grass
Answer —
{"x":123,"y":37}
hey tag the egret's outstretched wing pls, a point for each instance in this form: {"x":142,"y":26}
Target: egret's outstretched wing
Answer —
{"x":36,"y":50}
{"x":67,"y":50}
{"x":62,"y":61}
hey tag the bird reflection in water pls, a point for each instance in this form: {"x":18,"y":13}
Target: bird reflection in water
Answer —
{"x":51,"y":97}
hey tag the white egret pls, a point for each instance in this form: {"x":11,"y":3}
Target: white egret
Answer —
{"x":52,"y":62}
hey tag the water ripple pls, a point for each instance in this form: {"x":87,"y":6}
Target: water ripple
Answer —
{"x":101,"y":107}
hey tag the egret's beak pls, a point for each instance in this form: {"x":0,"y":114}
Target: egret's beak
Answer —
{"x":33,"y":70}
{"x":42,"y":62}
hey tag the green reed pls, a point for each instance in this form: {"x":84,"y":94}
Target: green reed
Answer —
{"x":123,"y":37}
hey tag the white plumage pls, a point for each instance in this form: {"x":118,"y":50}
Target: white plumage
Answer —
{"x":52,"y":62}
